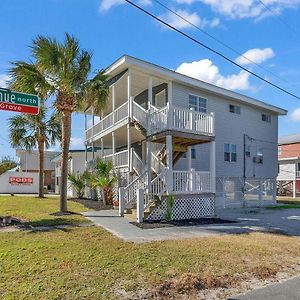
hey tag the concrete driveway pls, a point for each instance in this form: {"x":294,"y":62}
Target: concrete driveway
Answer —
{"x":288,"y":290}
{"x":285,"y":221}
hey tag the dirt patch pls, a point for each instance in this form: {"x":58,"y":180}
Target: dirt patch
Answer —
{"x":180,"y":223}
{"x":190,"y":284}
{"x":91,"y":204}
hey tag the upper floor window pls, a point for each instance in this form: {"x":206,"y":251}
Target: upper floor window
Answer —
{"x":235,"y":109}
{"x":230,"y":152}
{"x":279,"y":150}
{"x":266,"y":118}
{"x":197,"y":103}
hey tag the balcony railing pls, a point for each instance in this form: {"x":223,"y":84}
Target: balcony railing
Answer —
{"x":192,"y":182}
{"x":120,"y":159}
{"x":112,"y":119}
{"x":181,"y":119}
{"x":156,"y":120}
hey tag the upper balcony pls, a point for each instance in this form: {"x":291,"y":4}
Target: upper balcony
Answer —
{"x":153,"y":121}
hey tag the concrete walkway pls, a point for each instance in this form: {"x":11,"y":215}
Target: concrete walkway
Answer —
{"x":287,"y":290}
{"x":286,"y":221}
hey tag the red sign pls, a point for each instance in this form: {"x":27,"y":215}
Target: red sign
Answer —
{"x":21,"y":180}
{"x":19,"y":108}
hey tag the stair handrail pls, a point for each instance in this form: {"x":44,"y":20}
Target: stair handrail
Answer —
{"x":139,"y":114}
{"x":138,"y":168}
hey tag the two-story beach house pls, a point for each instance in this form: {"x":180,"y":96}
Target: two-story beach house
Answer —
{"x":171,"y":134}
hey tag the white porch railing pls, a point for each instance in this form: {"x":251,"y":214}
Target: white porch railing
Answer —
{"x":181,"y":119}
{"x":112,"y":119}
{"x":192,"y":182}
{"x":297,"y":174}
{"x":120,"y":159}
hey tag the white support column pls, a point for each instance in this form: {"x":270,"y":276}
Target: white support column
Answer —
{"x":213,"y":165}
{"x":113,"y":147}
{"x":85,"y":142}
{"x":121,"y":201}
{"x":170,"y":107}
{"x":140,"y":205}
{"x":169,"y":149}
{"x":150,"y":84}
{"x":113,"y":102}
{"x":148,"y":163}
{"x":129,"y":148}
{"x":260,"y":191}
{"x":189,"y":157}
{"x":129,"y":84}
{"x":102,"y":147}
{"x":294,"y":181}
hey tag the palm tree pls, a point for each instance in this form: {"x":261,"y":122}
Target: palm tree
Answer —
{"x":79,"y":182}
{"x":105,"y":179}
{"x":29,"y":132}
{"x":63,"y":70}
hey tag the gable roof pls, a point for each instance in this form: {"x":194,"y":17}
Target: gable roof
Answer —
{"x":289,"y":139}
{"x":127,"y":61}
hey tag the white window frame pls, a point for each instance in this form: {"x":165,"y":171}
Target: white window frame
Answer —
{"x":260,"y":155}
{"x":197,"y":106}
{"x":231,"y":152}
{"x":268,"y":118}
{"x":236,"y":109}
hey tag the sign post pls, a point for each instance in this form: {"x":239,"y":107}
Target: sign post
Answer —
{"x":19,"y":102}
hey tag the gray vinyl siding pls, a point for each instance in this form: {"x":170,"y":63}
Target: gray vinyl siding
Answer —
{"x":230,"y":129}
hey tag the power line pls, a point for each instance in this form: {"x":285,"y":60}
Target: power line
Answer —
{"x":212,"y":50}
{"x":280,"y":18}
{"x":219,"y":41}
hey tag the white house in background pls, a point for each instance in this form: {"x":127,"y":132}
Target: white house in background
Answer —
{"x":288,"y":179}
{"x":171,"y":134}
{"x":76,"y":164}
{"x":29,"y":162}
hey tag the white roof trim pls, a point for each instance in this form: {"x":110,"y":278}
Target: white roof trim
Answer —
{"x":129,"y":61}
{"x":294,"y":159}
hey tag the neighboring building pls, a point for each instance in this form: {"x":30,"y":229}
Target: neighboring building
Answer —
{"x":29,"y":162}
{"x":289,"y":164}
{"x":173,"y":134}
{"x":76,"y":164}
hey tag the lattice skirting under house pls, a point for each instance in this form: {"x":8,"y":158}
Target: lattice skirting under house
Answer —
{"x":186,"y":207}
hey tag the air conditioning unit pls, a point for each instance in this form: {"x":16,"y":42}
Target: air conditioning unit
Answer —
{"x":258,"y":159}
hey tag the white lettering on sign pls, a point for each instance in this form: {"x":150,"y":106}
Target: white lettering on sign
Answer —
{"x":21,"y":180}
{"x":10,"y":107}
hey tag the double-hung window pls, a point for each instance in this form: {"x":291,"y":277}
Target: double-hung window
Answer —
{"x":230,"y":152}
{"x":197,"y":103}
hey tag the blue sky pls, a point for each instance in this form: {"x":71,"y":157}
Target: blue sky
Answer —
{"x":111,"y":28}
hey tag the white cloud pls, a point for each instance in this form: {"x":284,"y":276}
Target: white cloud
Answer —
{"x":106,"y":5}
{"x":77,"y":142}
{"x":175,"y":21}
{"x":237,"y":9}
{"x":256,"y":55}
{"x":295,"y":115}
{"x":206,"y":71}
{"x":179,"y":23}
{"x":3,"y":80}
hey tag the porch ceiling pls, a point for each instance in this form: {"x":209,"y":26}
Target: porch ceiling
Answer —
{"x":181,"y":138}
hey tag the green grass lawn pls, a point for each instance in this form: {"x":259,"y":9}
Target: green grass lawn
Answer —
{"x":38,"y":211}
{"x":90,"y":263}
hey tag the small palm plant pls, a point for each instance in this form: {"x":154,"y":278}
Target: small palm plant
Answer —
{"x":79,"y":182}
{"x":105,"y":179}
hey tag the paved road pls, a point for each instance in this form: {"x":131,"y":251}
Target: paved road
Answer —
{"x":288,"y":290}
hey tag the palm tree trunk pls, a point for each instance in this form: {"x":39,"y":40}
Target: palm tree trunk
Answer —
{"x":65,"y":139}
{"x":41,"y":149}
